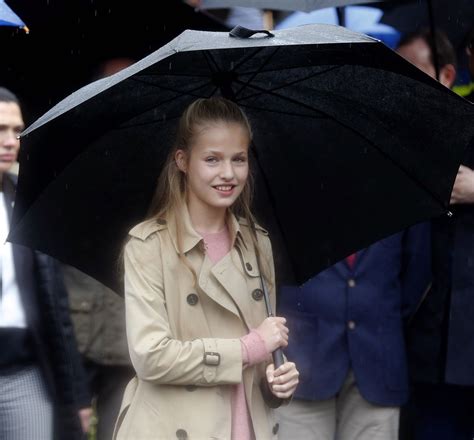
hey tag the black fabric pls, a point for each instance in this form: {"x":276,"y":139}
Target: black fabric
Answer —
{"x":346,"y":132}
{"x":440,"y":347}
{"x":16,"y":346}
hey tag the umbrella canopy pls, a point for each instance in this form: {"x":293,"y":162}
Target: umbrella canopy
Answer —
{"x":8,"y":17}
{"x":351,"y":143}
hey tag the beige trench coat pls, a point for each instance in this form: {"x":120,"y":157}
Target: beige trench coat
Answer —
{"x":184,"y":337}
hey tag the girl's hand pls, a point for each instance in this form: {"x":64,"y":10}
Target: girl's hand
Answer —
{"x":283,"y":380}
{"x":273,"y":332}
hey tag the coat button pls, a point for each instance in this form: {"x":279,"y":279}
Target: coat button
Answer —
{"x":257,"y":294}
{"x":161,"y":221}
{"x":351,"y":325}
{"x":276,"y":428}
{"x":351,"y":282}
{"x":248,"y":266}
{"x":191,"y":388}
{"x":192,"y":299}
{"x":181,"y":434}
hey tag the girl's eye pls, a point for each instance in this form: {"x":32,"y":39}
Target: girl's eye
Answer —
{"x":211,"y":159}
{"x":240,"y":159}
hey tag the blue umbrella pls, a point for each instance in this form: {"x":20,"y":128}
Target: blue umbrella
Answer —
{"x":363,"y":19}
{"x":9,"y":18}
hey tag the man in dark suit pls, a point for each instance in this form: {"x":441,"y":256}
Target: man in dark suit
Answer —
{"x":42,"y":384}
{"x":440,"y":337}
{"x":346,"y":336}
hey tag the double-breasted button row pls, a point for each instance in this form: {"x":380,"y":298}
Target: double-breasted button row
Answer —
{"x":192,"y":299}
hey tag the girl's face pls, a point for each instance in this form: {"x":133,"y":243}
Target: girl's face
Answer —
{"x":216,"y":165}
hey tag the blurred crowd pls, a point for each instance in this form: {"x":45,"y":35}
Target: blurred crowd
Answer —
{"x":383,"y":340}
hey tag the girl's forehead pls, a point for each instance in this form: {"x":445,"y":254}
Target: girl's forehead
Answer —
{"x":221,"y":136}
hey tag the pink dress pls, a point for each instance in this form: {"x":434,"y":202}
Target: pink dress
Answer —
{"x":217,"y":245}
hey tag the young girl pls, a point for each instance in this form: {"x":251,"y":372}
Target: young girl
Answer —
{"x":198,"y":334}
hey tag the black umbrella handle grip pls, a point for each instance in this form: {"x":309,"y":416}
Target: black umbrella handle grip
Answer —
{"x":242,"y":32}
{"x":278,"y":359}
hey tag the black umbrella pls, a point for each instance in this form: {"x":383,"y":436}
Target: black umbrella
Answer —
{"x":352,"y":143}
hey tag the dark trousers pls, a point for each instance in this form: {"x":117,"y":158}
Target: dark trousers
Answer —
{"x":107,"y":383}
{"x":438,"y":412}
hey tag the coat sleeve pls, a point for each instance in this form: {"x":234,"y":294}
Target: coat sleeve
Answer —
{"x":156,"y":355}
{"x":416,"y":267}
{"x":69,"y":374}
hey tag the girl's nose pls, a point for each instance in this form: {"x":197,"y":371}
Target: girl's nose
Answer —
{"x":227,"y":171}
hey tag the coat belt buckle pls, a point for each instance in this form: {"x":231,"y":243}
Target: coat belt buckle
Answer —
{"x":212,"y":358}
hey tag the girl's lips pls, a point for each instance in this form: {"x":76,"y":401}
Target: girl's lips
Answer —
{"x":7,"y":157}
{"x":225,"y":190}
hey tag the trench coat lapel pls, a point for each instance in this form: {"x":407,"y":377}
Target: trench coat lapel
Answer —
{"x":210,"y":284}
{"x":213,"y":277}
{"x":233,"y":281}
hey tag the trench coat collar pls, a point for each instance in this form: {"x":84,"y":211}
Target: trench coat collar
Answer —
{"x":190,"y":237}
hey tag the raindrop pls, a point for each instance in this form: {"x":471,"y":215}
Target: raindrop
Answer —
{"x":169,"y":66}
{"x":449,"y":214}
{"x":232,"y":65}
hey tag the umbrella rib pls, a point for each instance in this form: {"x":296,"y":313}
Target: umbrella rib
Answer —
{"x":294,"y":101}
{"x":257,"y":72}
{"x":245,"y":59}
{"x":313,"y":75}
{"x":164,"y":102}
{"x":170,"y":74}
{"x":210,"y":60}
{"x":169,"y":89}
{"x":301,"y":115}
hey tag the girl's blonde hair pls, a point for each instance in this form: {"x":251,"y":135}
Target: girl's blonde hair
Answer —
{"x":171,"y":190}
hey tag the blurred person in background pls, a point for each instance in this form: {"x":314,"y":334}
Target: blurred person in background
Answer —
{"x":42,"y":383}
{"x":347,"y":337}
{"x":98,"y":315}
{"x":440,"y":336}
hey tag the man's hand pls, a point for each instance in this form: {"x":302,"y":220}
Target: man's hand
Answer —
{"x":463,"y":190}
{"x":85,"y":415}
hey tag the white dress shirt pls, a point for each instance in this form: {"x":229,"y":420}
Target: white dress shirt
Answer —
{"x":12,"y":312}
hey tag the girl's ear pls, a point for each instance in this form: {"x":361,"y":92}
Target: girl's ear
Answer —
{"x":180,"y":159}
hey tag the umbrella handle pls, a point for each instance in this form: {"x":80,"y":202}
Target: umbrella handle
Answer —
{"x":242,"y":32}
{"x":277,"y":355}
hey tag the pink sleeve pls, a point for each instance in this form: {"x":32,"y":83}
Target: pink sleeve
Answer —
{"x":253,"y":349}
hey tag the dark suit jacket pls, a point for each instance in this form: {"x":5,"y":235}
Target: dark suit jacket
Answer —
{"x":45,"y":301}
{"x":441,"y":345}
{"x":345,"y":318}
